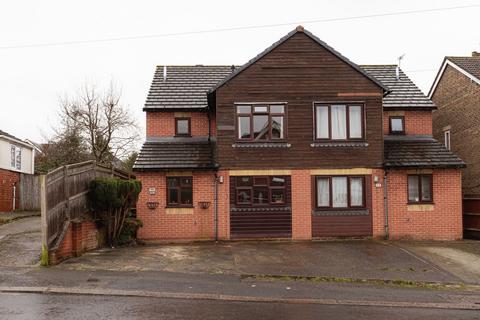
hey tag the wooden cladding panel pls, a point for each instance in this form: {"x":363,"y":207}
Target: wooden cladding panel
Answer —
{"x":299,"y":72}
{"x":261,"y":221}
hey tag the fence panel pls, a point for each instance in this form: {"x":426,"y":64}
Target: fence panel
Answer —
{"x":66,"y":191}
{"x":29,"y":192}
{"x":471,"y":218}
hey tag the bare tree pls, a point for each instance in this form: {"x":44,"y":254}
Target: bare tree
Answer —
{"x":106,"y":125}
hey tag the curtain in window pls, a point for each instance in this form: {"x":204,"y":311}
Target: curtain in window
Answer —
{"x":355,"y":120}
{"x":339,"y":192}
{"x":413,"y":190}
{"x":356,"y":192}
{"x":426,"y":188}
{"x":322,"y":123}
{"x":339,"y":128}
{"x":323,"y":192}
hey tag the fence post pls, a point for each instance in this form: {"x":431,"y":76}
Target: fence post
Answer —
{"x":66,"y":191}
{"x":44,"y":220}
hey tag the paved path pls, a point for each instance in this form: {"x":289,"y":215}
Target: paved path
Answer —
{"x":20,"y":242}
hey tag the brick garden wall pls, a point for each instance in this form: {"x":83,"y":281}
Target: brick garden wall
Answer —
{"x":162,"y":124}
{"x":7,"y":180}
{"x":79,"y":238}
{"x":443,"y":222}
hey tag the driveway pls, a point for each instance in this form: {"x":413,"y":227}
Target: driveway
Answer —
{"x":358,"y":259}
{"x":20,"y":242}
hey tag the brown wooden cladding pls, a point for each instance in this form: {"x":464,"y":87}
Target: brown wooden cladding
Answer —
{"x":261,"y":221}
{"x":355,"y":223}
{"x":299,"y":72}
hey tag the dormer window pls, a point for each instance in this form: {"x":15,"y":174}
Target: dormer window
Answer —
{"x":397,"y":125}
{"x":182,"y":127}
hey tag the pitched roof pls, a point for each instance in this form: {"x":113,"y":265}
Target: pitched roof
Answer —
{"x":298,"y":29}
{"x":3,"y":133}
{"x":403,"y":92}
{"x":176,"y":153}
{"x":418,"y":152}
{"x":468,"y":66}
{"x":185,"y":87}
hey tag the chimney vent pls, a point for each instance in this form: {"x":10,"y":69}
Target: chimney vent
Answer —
{"x":164,"y":73}
{"x":475,"y":54}
{"x":232,"y":68}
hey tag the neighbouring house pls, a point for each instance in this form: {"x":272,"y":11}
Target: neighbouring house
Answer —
{"x":298,"y":143}
{"x":456,"y":122}
{"x":16,"y":157}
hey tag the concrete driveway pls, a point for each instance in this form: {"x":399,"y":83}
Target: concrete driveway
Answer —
{"x":20,"y":242}
{"x":358,"y":259}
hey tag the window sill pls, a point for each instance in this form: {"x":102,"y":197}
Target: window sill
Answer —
{"x":181,"y":207}
{"x":261,"y":145}
{"x":340,"y":212}
{"x":420,"y":207}
{"x":350,"y":144}
{"x":179,"y":210}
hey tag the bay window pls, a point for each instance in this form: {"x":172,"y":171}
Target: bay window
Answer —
{"x":340,"y":192}
{"x":261,"y":122}
{"x":338,"y":121}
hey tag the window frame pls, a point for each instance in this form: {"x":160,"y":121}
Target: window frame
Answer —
{"x":447,"y":133}
{"x":179,"y":189}
{"x":252,"y":113}
{"x":390,"y":118}
{"x":270,"y":186}
{"x":420,"y":189}
{"x":15,"y":157}
{"x":347,"y":120}
{"x":330,"y":188}
{"x":189,"y":121}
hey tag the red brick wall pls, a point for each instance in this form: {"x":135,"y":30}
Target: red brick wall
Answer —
{"x":7,"y":180}
{"x":158,"y":224}
{"x":162,"y":124}
{"x":443,"y":223}
{"x":378,"y":214}
{"x":301,"y":205}
{"x":79,"y":238}
{"x":416,"y":122}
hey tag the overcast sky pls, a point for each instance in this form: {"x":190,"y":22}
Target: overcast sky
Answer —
{"x":32,"y":79}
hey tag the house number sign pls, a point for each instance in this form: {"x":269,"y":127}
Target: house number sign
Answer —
{"x":151,"y":191}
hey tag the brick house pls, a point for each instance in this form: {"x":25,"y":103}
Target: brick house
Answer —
{"x":298,"y":143}
{"x":16,"y":157}
{"x":456,"y":122}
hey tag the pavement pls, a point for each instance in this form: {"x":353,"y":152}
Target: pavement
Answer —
{"x":7,"y":217}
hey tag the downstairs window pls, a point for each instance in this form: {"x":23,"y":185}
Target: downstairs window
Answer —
{"x":340,"y":192}
{"x":179,"y":191}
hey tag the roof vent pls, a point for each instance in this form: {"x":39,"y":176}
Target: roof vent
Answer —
{"x":232,"y":68}
{"x":164,"y":73}
{"x":397,"y":69}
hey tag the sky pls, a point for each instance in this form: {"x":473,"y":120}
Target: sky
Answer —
{"x":34,"y":78}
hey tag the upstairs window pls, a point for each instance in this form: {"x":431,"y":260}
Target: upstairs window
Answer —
{"x":420,"y":188}
{"x":179,"y":192}
{"x":339,"y":122}
{"x":261,"y":122}
{"x":182,"y":127}
{"x":397,"y":125}
{"x":447,"y":139}
{"x":16,"y":157}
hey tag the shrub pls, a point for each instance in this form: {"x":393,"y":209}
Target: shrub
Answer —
{"x":129,"y":231}
{"x":111,"y":200}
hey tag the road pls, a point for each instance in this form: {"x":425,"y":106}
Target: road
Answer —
{"x":46,"y":306}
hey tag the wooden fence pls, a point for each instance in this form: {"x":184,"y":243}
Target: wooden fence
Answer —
{"x":63,"y":197}
{"x":471,"y":218}
{"x":29,"y":192}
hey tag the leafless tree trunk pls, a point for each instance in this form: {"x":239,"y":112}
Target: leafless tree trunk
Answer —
{"x":107,"y":126}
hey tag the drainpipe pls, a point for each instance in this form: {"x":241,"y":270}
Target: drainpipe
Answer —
{"x":385,"y":203}
{"x":14,"y":195}
{"x":215,"y":205}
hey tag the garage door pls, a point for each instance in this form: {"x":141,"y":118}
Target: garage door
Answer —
{"x":260,"y":207}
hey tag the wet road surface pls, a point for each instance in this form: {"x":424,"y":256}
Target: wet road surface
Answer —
{"x":47,"y":306}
